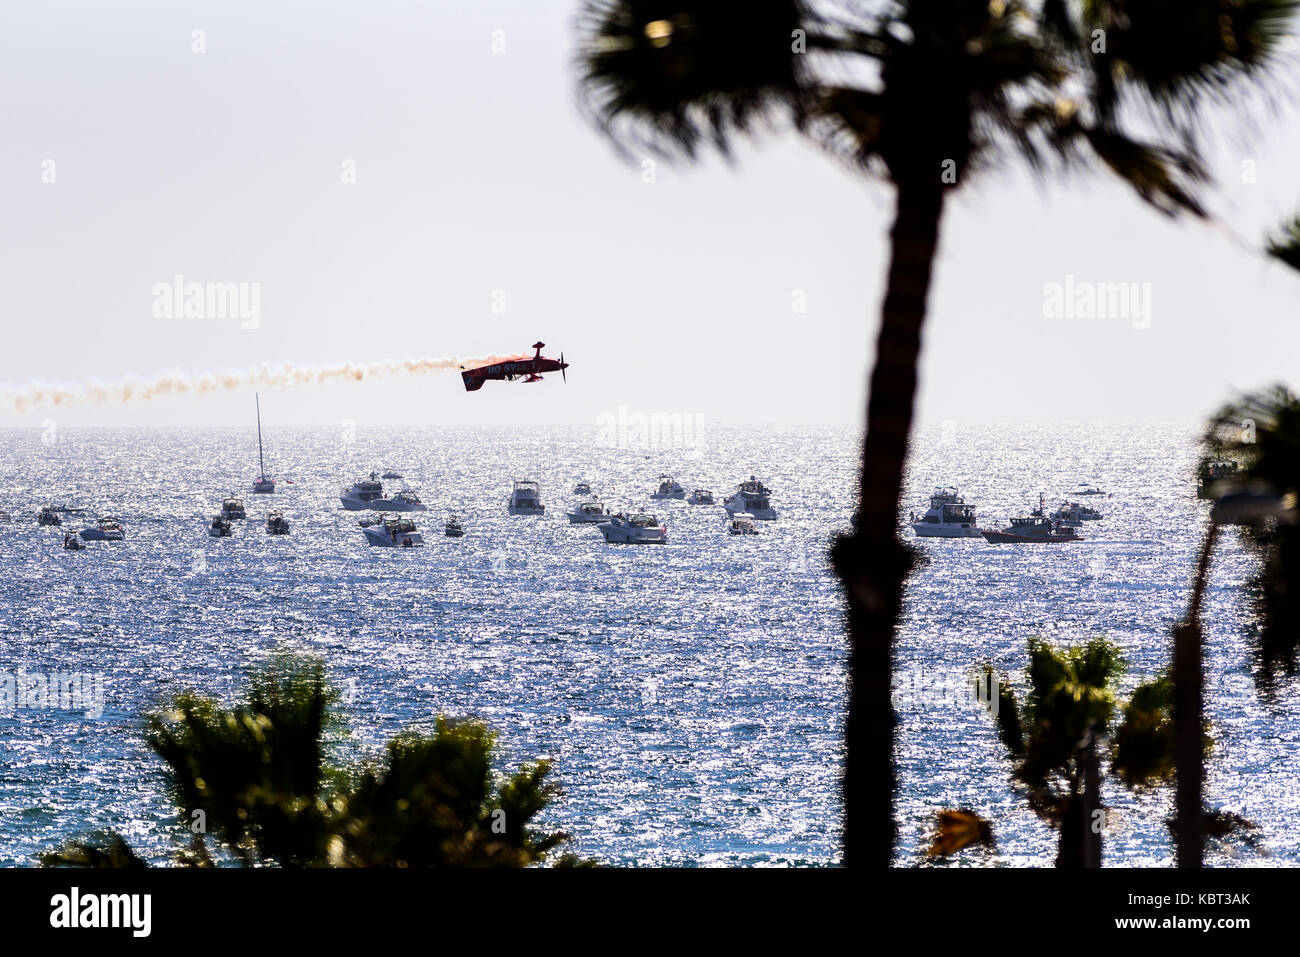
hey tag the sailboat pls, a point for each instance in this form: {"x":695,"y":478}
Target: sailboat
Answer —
{"x":261,"y":485}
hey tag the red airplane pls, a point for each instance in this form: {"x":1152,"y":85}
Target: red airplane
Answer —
{"x":530,"y":367}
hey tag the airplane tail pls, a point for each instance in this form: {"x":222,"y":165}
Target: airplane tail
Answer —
{"x":472,"y":383}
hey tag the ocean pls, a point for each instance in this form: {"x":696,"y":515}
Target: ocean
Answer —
{"x":690,"y":696}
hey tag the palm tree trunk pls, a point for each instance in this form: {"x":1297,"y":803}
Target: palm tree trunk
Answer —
{"x":872,"y":562}
{"x":1189,"y":693}
{"x":1092,"y":820}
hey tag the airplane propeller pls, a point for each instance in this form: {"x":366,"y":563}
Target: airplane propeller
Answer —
{"x":563,"y":375}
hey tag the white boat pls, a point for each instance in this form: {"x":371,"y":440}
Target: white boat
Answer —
{"x":638,"y":528}
{"x":232,"y":509}
{"x":220,"y":527}
{"x":588,"y":512}
{"x":277,"y":524}
{"x":362,"y":493}
{"x":742,"y":523}
{"x":403,"y":501}
{"x":701,"y":496}
{"x":947,"y":517}
{"x":48,"y":516}
{"x":669,"y":488}
{"x":390,"y":474}
{"x":105,"y":530}
{"x":526,"y":498}
{"x":1074,"y":514}
{"x":453,"y":528}
{"x":582,"y":488}
{"x":1086,"y":489}
{"x":754,"y":498}
{"x":263,"y":484}
{"x":394,"y":533}
{"x":71,"y":543}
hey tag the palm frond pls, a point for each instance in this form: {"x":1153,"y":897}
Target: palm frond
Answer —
{"x":958,"y":829}
{"x":1144,"y":740}
{"x":1184,"y":51}
{"x":107,"y":850}
{"x":1166,"y":179}
{"x":666,"y":76}
{"x":1285,"y":246}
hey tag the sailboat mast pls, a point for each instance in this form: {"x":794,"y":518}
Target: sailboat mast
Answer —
{"x":260,"y":464}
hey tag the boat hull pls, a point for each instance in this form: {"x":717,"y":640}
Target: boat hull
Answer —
{"x":760,"y":514}
{"x":617,"y":536}
{"x":380,"y":537}
{"x":389,"y":505}
{"x":356,"y":504}
{"x":1007,"y":538}
{"x":944,"y":530}
{"x":99,"y":535}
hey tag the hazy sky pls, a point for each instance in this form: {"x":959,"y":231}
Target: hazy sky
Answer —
{"x":474,"y":173}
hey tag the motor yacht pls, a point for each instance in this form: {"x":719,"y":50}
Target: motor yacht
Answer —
{"x":701,"y":496}
{"x":1074,"y":514}
{"x":48,"y":516}
{"x":453,"y":528}
{"x":526,"y":498}
{"x":277,"y":524}
{"x":71,"y":543}
{"x":638,"y":528}
{"x":362,"y":493}
{"x":403,"y":501}
{"x":582,"y":488}
{"x":390,"y":474}
{"x":233,"y":509}
{"x":742,"y":523}
{"x":754,"y":498}
{"x":105,"y":530}
{"x":668,"y":488}
{"x":588,"y":512}
{"x":1086,"y":489}
{"x":947,"y":517}
{"x":394,"y":533}
{"x":220,"y":527}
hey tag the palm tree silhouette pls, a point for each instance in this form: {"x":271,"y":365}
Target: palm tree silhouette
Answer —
{"x":1256,"y":490}
{"x":923,"y":95}
{"x":257,"y":783}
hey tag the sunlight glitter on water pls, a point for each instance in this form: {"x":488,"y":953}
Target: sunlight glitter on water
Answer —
{"x":691,"y":696}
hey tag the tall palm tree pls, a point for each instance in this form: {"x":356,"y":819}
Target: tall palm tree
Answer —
{"x":1260,"y":431}
{"x":1260,"y":436}
{"x":923,"y":94}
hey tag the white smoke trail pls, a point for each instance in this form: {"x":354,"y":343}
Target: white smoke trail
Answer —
{"x":21,"y":398}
